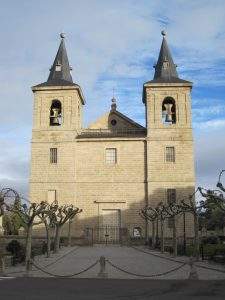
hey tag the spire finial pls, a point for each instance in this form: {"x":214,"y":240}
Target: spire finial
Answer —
{"x":163,"y":33}
{"x":113,"y":105}
{"x":62,"y":35}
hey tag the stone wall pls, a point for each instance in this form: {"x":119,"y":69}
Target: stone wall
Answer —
{"x":140,"y":176}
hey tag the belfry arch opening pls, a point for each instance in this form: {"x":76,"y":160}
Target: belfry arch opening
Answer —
{"x":169,"y":111}
{"x":56,"y":113}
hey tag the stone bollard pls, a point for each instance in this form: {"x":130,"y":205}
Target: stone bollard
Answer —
{"x":2,"y":266}
{"x":193,"y":270}
{"x":102,"y":273}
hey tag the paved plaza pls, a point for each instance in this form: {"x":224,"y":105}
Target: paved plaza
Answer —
{"x":88,"y":285}
{"x":124,"y":263}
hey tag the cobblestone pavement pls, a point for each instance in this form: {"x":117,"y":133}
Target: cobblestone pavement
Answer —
{"x":134,"y":260}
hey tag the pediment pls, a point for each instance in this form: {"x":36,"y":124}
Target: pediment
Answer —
{"x":115,"y":120}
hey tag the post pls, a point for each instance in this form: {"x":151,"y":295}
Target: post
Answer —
{"x":102,"y":272}
{"x":162,"y":236}
{"x":193,"y":271}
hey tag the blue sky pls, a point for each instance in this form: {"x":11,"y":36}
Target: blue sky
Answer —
{"x":111,"y":44}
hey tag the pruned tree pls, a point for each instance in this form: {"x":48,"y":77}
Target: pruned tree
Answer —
{"x":162,"y":212}
{"x":61,"y":215}
{"x":48,"y":217}
{"x":30,"y":217}
{"x":214,"y":205}
{"x":219,"y":183}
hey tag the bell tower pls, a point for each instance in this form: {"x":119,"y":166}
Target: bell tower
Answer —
{"x":57,"y":118}
{"x":167,"y":99}
{"x":58,"y":101}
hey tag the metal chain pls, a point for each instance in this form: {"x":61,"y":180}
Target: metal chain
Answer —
{"x":171,"y":259}
{"x":141,"y":275}
{"x":64,"y":276}
{"x":48,"y":265}
{"x":209,"y":268}
{"x":157,"y":255}
{"x":61,"y":257}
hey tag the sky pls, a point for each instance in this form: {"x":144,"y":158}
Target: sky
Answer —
{"x":111,"y":45}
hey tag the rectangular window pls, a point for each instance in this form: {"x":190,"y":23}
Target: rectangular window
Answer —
{"x":170,"y":222}
{"x":170,"y":154}
{"x":51,"y":196}
{"x":53,"y":155}
{"x":171,"y":197}
{"x":111,"y":156}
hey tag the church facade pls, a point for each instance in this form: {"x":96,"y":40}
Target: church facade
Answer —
{"x":114,"y":167}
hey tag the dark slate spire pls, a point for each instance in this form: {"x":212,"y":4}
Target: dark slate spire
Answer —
{"x":60,"y":70}
{"x":165,"y":67}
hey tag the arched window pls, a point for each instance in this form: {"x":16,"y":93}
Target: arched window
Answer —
{"x":168,"y":111}
{"x":56,"y":113}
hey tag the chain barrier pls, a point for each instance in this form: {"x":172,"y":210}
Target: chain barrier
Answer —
{"x":141,"y":275}
{"x":46,"y":266}
{"x":65,"y":276}
{"x":210,"y":268}
{"x":157,"y":255}
{"x":171,"y":259}
{"x":61,"y":257}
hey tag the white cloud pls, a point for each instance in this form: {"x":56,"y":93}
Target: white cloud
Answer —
{"x":211,"y":124}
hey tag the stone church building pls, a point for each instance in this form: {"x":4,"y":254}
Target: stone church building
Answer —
{"x":114,"y":167}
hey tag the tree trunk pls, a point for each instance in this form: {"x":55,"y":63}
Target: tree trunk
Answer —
{"x":162,"y":236}
{"x":153,"y":234}
{"x":196,"y":240}
{"x":174,"y":236}
{"x":57,"y":238}
{"x":69,"y":232}
{"x":28,"y":246}
{"x":48,"y":237}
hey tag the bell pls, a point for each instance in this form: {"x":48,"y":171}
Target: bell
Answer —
{"x":168,"y":107}
{"x":55,"y":116}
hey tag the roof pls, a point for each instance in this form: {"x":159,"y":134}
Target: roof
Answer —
{"x":60,"y":72}
{"x":165,"y":68}
{"x":119,"y":114}
{"x":104,"y":120}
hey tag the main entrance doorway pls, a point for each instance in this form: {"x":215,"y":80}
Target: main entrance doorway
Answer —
{"x":108,"y":231}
